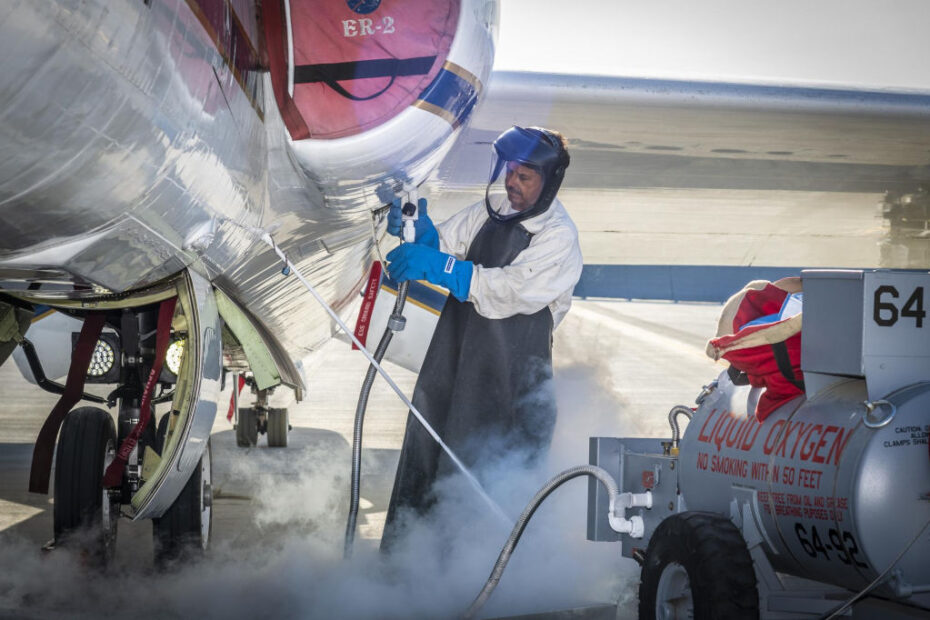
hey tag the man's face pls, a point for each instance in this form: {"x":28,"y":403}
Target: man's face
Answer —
{"x":523,"y":185}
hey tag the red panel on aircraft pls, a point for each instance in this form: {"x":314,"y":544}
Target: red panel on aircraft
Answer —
{"x":359,"y":63}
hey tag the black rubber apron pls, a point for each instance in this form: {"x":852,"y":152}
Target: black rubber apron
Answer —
{"x":484,"y":385}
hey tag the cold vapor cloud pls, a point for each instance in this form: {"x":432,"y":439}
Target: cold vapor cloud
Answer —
{"x":287,"y":561}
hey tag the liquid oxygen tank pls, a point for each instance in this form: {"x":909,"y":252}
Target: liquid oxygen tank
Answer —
{"x":837,"y":483}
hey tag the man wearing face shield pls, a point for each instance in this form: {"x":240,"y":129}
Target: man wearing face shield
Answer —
{"x":510,"y":263}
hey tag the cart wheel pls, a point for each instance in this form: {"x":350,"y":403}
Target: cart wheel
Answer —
{"x":697,"y":566}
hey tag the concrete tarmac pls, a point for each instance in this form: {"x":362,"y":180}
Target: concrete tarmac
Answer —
{"x":620,"y":366}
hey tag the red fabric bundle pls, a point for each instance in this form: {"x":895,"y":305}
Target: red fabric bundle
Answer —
{"x":769,"y":352}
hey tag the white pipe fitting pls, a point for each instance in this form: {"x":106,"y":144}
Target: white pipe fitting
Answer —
{"x":636,"y":500}
{"x":616,"y":513}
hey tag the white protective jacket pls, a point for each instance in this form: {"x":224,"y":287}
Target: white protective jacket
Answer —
{"x":544,"y":274}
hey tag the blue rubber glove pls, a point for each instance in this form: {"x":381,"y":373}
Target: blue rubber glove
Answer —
{"x":426,"y":233}
{"x":412,"y":261}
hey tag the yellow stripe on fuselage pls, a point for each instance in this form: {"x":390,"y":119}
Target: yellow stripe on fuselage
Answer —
{"x":418,"y":304}
{"x":39,"y":317}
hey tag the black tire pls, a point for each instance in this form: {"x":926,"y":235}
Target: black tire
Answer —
{"x":701,"y":555}
{"x":85,"y":514}
{"x":183,"y":532}
{"x":247,"y":428}
{"x":277,"y":428}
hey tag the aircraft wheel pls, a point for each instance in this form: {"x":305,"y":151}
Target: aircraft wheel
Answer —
{"x":184,"y":529}
{"x":697,"y":566}
{"x":247,"y":428}
{"x":277,"y":428}
{"x":85,"y":514}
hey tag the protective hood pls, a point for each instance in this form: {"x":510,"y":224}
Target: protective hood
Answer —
{"x":542,"y":152}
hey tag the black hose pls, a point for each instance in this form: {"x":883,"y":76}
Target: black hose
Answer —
{"x":582,"y":470}
{"x":841,"y":608}
{"x":395,"y":323}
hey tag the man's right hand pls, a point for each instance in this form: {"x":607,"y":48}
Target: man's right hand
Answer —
{"x":426,"y":233}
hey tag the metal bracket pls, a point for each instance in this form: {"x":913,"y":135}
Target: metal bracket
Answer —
{"x":44,"y":382}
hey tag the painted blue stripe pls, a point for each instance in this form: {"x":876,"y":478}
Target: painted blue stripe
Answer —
{"x":710,"y":283}
{"x":714,"y":283}
{"x":798,"y":97}
{"x":419,"y":292}
{"x":451,"y":93}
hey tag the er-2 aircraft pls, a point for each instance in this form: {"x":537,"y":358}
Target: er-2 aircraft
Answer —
{"x":158,"y":154}
{"x":148,"y":148}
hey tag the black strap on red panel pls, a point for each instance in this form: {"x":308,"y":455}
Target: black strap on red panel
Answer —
{"x":333,"y":73}
{"x":780,"y":351}
{"x":737,"y":376}
{"x":114,"y":475}
{"x":74,"y":389}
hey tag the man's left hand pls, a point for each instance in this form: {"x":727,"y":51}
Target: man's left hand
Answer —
{"x":412,"y":261}
{"x":426,"y":233}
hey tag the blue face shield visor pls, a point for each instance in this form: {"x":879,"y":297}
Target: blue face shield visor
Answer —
{"x":538,"y":152}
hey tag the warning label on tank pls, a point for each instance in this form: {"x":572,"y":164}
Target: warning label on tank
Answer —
{"x":817,"y":507}
{"x":804,"y":477}
{"x":908,"y":436}
{"x":795,"y":454}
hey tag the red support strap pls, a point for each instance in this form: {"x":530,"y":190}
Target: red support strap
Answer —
{"x":232,"y":399}
{"x":114,"y":474}
{"x":368,"y":305}
{"x":74,"y":389}
{"x":276,"y":54}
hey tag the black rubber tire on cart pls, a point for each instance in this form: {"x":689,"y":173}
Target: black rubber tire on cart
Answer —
{"x":697,"y":566}
{"x":277,"y":428}
{"x":247,"y":428}
{"x":85,"y":515}
{"x":183,"y":532}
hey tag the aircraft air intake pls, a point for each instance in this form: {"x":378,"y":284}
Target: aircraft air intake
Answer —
{"x":364,"y":83}
{"x":358,"y":64}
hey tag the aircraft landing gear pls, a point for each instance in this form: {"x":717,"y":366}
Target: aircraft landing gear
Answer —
{"x":261,"y":419}
{"x":127,"y":419}
{"x":277,"y":428}
{"x":85,"y":513}
{"x":247,"y":428}
{"x":162,"y":346}
{"x":184,"y":530}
